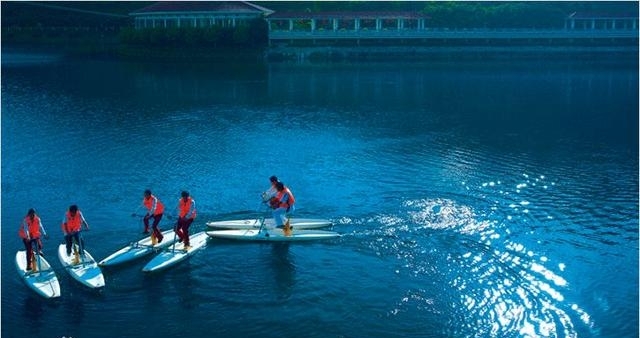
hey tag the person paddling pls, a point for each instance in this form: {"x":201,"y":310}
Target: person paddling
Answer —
{"x":30,"y":230}
{"x":71,"y":226}
{"x":155,"y":210}
{"x":282,"y":204}
{"x":186,"y":215}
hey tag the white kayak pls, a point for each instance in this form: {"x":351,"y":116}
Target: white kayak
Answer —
{"x":86,"y":271}
{"x":138,"y":249}
{"x":43,"y":281}
{"x":176,"y":253}
{"x":269,"y":223}
{"x":274,"y":235}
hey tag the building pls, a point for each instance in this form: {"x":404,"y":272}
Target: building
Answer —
{"x":347,"y":21}
{"x":601,"y":21}
{"x":166,"y":14}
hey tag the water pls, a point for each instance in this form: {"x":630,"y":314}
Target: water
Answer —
{"x":476,"y":199}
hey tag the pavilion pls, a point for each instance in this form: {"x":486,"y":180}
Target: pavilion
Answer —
{"x":166,"y":14}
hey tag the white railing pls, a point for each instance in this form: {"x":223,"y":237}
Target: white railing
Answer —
{"x":452,"y":34}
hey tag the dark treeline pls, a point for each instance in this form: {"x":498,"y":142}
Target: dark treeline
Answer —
{"x":253,"y":35}
{"x":453,"y":14}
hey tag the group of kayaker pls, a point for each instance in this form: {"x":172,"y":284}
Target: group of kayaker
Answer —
{"x":31,"y":229}
{"x":279,"y":197}
{"x":155,"y":209}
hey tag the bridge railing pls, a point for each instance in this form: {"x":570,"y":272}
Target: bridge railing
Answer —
{"x":453,"y":34}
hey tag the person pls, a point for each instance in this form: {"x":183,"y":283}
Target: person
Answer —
{"x":283,"y":203}
{"x":71,"y":226}
{"x":271,"y":192}
{"x":155,"y":210}
{"x":186,"y":215}
{"x":30,"y":230}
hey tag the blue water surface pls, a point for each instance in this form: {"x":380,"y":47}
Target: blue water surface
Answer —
{"x":476,"y":198}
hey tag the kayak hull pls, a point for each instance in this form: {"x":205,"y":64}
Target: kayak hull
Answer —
{"x":275,"y":235}
{"x":269,"y":223}
{"x":136,"y":250}
{"x":175,"y":254}
{"x":44,"y":281}
{"x":87,"y":271}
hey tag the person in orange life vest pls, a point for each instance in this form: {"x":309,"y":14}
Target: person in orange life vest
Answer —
{"x":30,"y":230}
{"x":271,"y":192}
{"x":155,"y":210}
{"x":282,"y":204}
{"x":186,"y":215}
{"x":71,"y":226}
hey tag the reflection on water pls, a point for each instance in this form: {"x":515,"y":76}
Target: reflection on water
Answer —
{"x":284,"y":269}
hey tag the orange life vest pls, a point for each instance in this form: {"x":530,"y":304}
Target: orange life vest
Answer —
{"x":148,"y":203}
{"x":33,"y":226}
{"x":290,"y":200}
{"x":73,"y":223}
{"x":185,"y":207}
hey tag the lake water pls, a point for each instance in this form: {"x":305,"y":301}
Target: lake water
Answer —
{"x":486,"y":198}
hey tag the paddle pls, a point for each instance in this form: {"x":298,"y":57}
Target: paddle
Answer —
{"x":263,"y":219}
{"x":79,"y":243}
{"x":175,"y":233}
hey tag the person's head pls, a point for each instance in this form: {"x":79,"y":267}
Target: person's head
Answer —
{"x":73,"y":209}
{"x":279,"y":186}
{"x":185,"y":194}
{"x":273,"y":179}
{"x":147,"y":193}
{"x":31,"y":213}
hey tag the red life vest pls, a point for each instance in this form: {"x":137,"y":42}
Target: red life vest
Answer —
{"x":185,"y":206}
{"x":33,"y":226}
{"x":73,"y":223}
{"x":289,"y":202}
{"x":148,"y":203}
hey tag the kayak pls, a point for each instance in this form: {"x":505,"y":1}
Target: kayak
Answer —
{"x":176,"y":253}
{"x":275,"y":235}
{"x":269,"y":223}
{"x":138,"y":249}
{"x":43,"y":281}
{"x":86,"y":271}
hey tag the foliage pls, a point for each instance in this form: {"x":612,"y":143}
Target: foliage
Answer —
{"x":252,"y":35}
{"x":451,"y":14}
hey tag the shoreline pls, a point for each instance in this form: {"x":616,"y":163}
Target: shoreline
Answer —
{"x":326,"y":53}
{"x":414,"y":53}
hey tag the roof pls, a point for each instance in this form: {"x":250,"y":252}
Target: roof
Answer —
{"x":175,"y":7}
{"x":348,"y":15}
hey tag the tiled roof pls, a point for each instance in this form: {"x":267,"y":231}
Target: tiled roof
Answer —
{"x":202,"y":6}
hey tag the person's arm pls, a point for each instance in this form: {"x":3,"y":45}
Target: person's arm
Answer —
{"x":25,"y":228}
{"x":141,"y":206}
{"x":268,"y":194}
{"x":192,"y":210}
{"x":44,"y":232}
{"x":83,"y":221}
{"x":154,"y":203}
